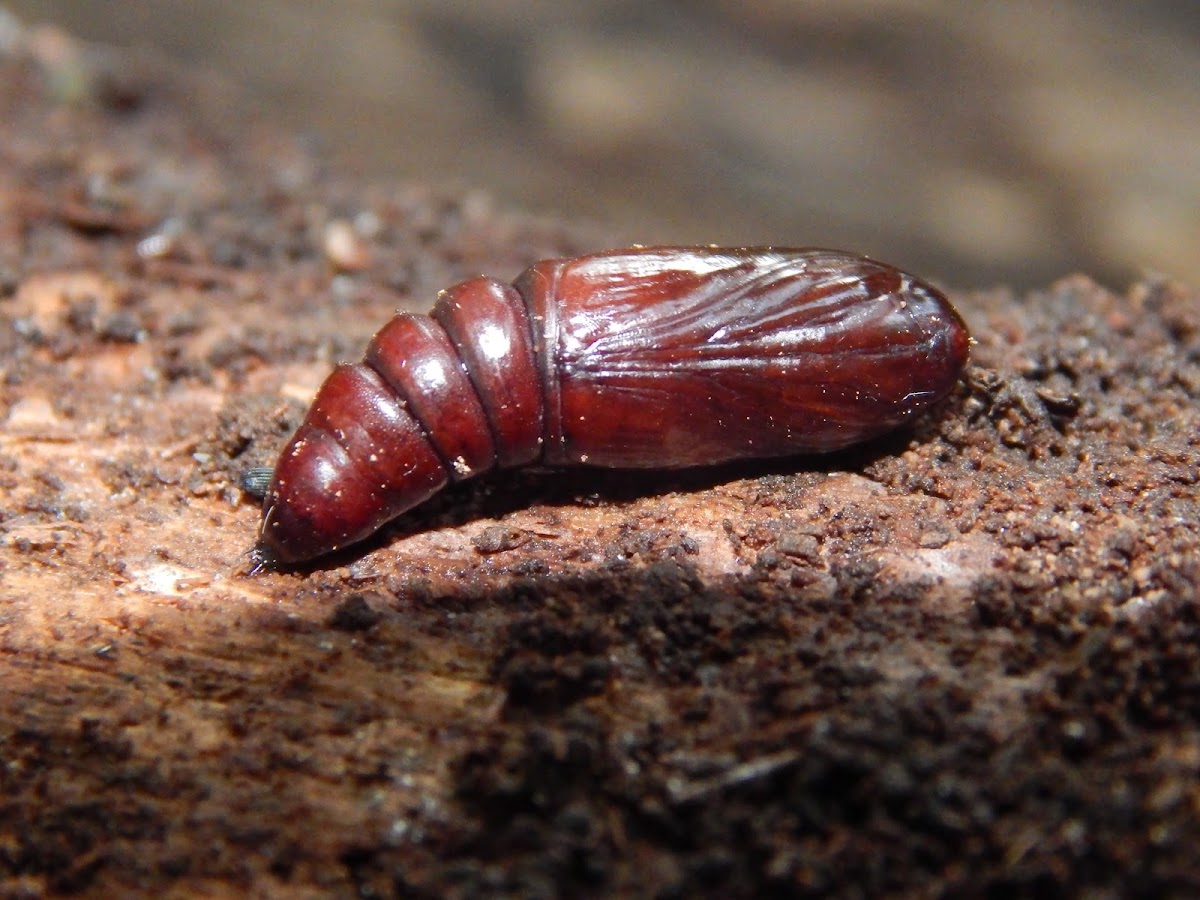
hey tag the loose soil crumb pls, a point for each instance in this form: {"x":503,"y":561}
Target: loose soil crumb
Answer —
{"x":964,"y":661}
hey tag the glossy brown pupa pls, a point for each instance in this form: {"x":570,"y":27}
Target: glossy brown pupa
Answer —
{"x":651,"y":357}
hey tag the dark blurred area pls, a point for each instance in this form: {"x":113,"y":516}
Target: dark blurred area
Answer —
{"x":977,"y":143}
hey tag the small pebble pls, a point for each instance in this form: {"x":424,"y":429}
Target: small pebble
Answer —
{"x":344,"y":247}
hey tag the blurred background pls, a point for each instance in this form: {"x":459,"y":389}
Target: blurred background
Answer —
{"x":976,"y":143}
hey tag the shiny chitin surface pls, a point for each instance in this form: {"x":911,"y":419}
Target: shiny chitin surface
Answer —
{"x":658,"y":357}
{"x":674,"y":357}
